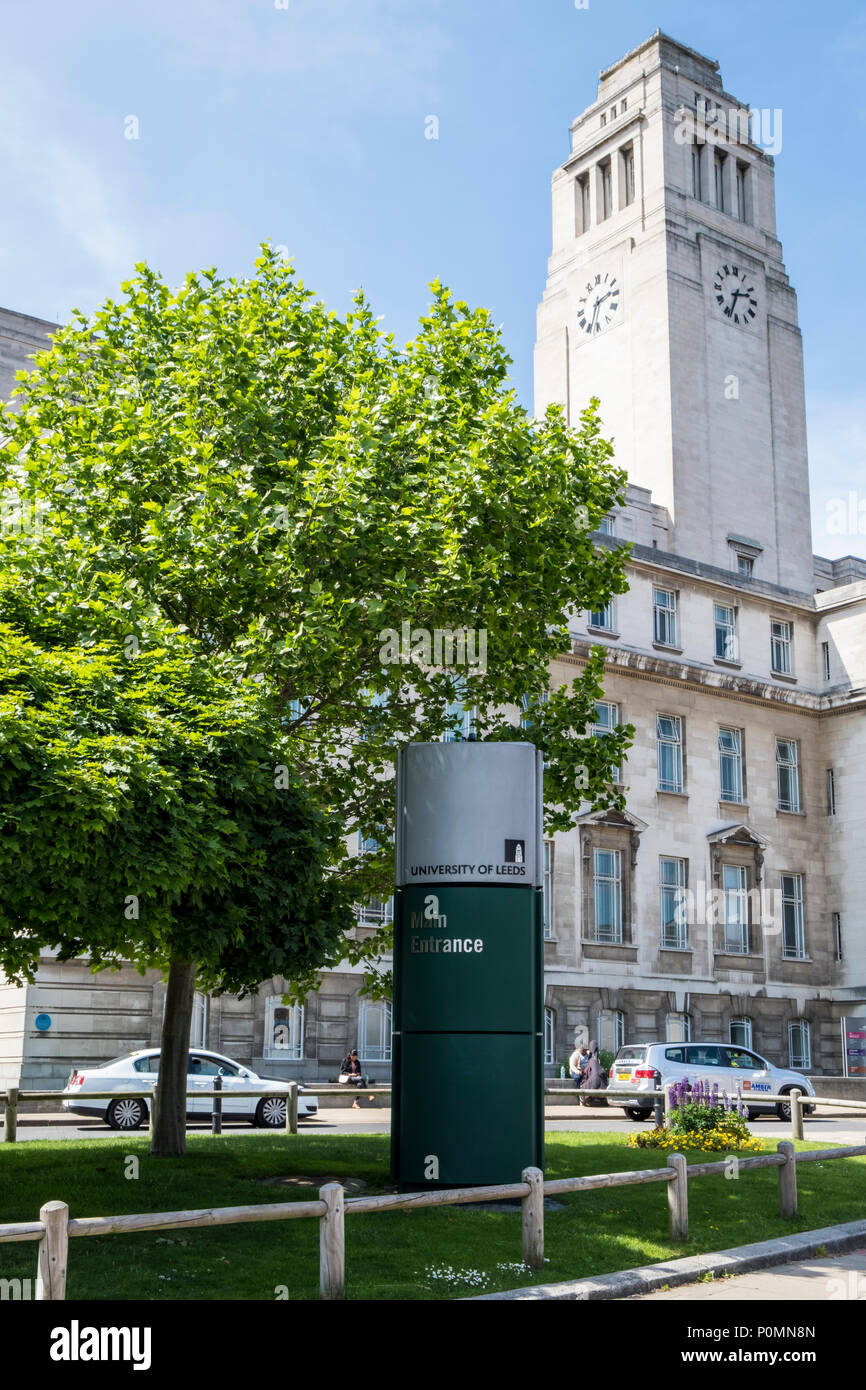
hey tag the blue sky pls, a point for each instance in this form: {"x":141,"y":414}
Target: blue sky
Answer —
{"x":303,"y":121}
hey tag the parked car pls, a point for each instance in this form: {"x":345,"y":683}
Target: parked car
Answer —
{"x":737,"y":1070}
{"x":138,"y":1071}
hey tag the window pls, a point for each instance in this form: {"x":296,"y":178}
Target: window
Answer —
{"x":727,"y":647}
{"x":799,"y":1045}
{"x":703,"y":1055}
{"x":739,"y":1057}
{"x":527,"y":704}
{"x":837,"y":934}
{"x":374,"y":1031}
{"x":606,"y":720}
{"x":582,"y":203}
{"x":460,"y":721}
{"x":780,"y":648}
{"x":793,"y":938}
{"x":665,"y":617}
{"x":731,"y":765}
{"x":719,"y":163}
{"x":787,"y":774}
{"x":628,"y":175}
{"x":825,"y":659}
{"x":606,"y":192}
{"x":198,"y":1026}
{"x":678,"y":1028}
{"x":610,"y":1030}
{"x":745,"y":564}
{"x":374,"y":912}
{"x":367,"y":844}
{"x":697,"y":178}
{"x":606,"y":526}
{"x":549,"y":1037}
{"x":831,"y":792}
{"x":742,"y":171}
{"x":603,"y":618}
{"x":284,"y":1031}
{"x":740,"y":1032}
{"x":613,"y":113}
{"x":149,"y":1064}
{"x":672,"y":883}
{"x":604,"y":118}
{"x":210,"y":1066}
{"x":736,"y":909}
{"x":669,"y":738}
{"x":547,"y":891}
{"x":607,"y":873}
{"x":623,"y":105}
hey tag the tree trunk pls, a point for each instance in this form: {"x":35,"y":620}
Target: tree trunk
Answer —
{"x":169,"y":1134}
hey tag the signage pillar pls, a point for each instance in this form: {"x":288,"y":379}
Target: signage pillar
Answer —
{"x":468,"y":1009}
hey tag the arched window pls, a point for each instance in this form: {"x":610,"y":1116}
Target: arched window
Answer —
{"x":800,"y":1045}
{"x":741,"y":1032}
{"x":549,"y":1037}
{"x":374,"y":1031}
{"x":678,"y":1028}
{"x":610,"y":1031}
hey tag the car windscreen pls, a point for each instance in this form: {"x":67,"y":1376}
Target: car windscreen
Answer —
{"x":111,"y":1061}
{"x":630,"y":1054}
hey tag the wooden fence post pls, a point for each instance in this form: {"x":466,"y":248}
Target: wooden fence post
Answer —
{"x":10,"y":1124}
{"x":678,"y":1198}
{"x":796,"y":1114}
{"x":332,"y":1243}
{"x":216,"y":1114}
{"x":787,"y":1180}
{"x":292,"y":1108}
{"x":533,"y":1218}
{"x":53,"y":1248}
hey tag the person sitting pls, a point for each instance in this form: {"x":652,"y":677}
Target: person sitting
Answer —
{"x":577,"y":1063}
{"x":350,"y":1071}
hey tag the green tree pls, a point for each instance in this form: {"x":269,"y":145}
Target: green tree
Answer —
{"x":147,"y":813}
{"x":285,"y":487}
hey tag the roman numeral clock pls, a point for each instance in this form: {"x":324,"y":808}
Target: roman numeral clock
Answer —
{"x":598,"y":305}
{"x":735,"y":294}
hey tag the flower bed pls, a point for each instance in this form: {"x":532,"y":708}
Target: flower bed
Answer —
{"x":700,"y":1118}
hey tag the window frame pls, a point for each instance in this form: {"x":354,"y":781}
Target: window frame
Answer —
{"x":675,"y":743}
{"x":666,"y":618}
{"x":681,"y":1020}
{"x":599,"y":729}
{"x":741,"y":1021}
{"x":615,"y":886}
{"x":547,"y":891}
{"x":797,"y":899}
{"x":790,"y":768}
{"x":294,"y":1052}
{"x":740,"y":923}
{"x":666,"y":888}
{"x":549,"y":1036}
{"x":735,"y":758}
{"x":785,"y":645}
{"x":368,"y":1006}
{"x":617,"y":1025}
{"x":731,"y":640}
{"x":607,"y":615}
{"x":802,"y":1027}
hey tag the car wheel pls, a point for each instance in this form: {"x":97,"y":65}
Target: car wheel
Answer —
{"x":634,"y":1112}
{"x":126,"y":1114}
{"x":783,"y":1109}
{"x":271,"y":1113}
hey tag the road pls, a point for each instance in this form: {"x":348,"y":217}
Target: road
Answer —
{"x":818,"y":1129}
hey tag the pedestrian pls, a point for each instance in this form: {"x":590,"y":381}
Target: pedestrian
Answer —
{"x":594,"y":1078}
{"x":577,"y":1063}
{"x":350,"y":1073}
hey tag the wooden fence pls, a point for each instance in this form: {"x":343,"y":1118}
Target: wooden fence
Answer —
{"x":54,"y":1227}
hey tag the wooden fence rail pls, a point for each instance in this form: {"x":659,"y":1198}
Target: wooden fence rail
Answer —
{"x":54,"y":1229}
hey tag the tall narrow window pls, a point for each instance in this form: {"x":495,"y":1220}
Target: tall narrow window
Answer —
{"x":607,"y":865}
{"x":742,"y":171}
{"x":603,"y":618}
{"x":831,"y":792}
{"x":606,"y":190}
{"x":606,"y":720}
{"x":720,"y":172}
{"x":374,"y":1031}
{"x":781,"y":659}
{"x":669,"y":740}
{"x":665,"y":617}
{"x":581,"y":193}
{"x":825,"y":659}
{"x":284,"y":1031}
{"x":548,"y":890}
{"x":730,"y":765}
{"x":672,"y":884}
{"x":610,"y":1030}
{"x":198,"y":1024}
{"x":549,"y":1037}
{"x":678,"y":1028}
{"x":736,"y":909}
{"x":799,"y":1045}
{"x":837,"y":934}
{"x":740,"y":1032}
{"x":607,"y":526}
{"x":793,"y":934}
{"x":628,"y":174}
{"x":787,"y":774}
{"x":697,"y":172}
{"x":745,"y":564}
{"x":727,"y":647}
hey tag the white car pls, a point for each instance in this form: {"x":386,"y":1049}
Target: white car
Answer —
{"x":737,"y":1070}
{"x":138,"y":1071}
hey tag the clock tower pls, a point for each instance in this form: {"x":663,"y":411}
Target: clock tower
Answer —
{"x":668,"y":299}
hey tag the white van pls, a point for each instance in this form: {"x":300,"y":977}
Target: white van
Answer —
{"x":737,"y":1070}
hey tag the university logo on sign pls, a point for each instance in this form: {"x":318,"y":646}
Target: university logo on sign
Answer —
{"x":515,"y":852}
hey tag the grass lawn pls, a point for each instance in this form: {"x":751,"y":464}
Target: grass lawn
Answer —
{"x":388,"y":1255}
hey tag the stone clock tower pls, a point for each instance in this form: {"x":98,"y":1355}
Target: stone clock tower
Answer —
{"x":667,"y":297}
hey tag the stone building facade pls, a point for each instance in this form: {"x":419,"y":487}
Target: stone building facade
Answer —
{"x":727,"y":901}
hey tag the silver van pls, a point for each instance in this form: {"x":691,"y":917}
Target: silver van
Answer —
{"x":737,"y":1070}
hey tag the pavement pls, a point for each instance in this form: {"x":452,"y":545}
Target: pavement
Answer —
{"x":836,"y":1128}
{"x":818,"y":1280}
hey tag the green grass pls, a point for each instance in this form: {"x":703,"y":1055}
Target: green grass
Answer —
{"x":387,"y":1254}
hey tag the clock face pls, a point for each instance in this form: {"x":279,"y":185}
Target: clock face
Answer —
{"x":735,"y":294}
{"x":598,"y":305}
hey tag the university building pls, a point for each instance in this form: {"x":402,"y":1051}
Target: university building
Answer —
{"x":726,"y":901}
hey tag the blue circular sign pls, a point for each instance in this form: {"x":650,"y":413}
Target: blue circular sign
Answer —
{"x":43,"y":1022}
